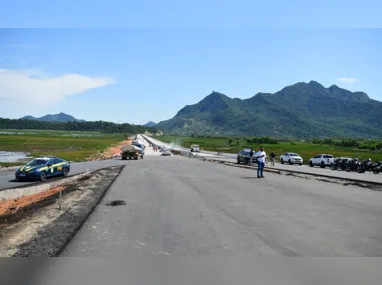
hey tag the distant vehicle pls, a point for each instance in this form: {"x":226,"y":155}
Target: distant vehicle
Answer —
{"x":42,"y":168}
{"x":195,"y":148}
{"x":291,"y":158}
{"x":244,"y":157}
{"x":321,"y":160}
{"x":139,"y":144}
{"x":131,"y":152}
{"x":166,"y":152}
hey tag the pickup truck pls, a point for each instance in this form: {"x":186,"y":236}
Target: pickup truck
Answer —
{"x":291,"y":158}
{"x":321,"y":160}
{"x":195,"y":148}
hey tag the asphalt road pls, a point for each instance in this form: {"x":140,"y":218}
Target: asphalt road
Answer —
{"x":180,"y":207}
{"x":7,"y":178}
{"x":230,"y":157}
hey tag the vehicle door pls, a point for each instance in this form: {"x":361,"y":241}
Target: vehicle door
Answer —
{"x":316,"y":159}
{"x":242,"y":156}
{"x":50,"y":168}
{"x":58,"y":168}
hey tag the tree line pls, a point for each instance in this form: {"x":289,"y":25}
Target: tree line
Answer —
{"x":96,"y":126}
{"x":262,"y":140}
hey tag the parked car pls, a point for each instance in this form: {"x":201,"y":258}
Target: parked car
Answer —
{"x":42,"y":168}
{"x":321,"y":160}
{"x":195,"y":148}
{"x":244,"y":157}
{"x":291,"y":158}
{"x":166,"y":152}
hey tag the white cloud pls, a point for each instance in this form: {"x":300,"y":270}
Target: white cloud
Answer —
{"x":350,"y":80}
{"x":34,"y":88}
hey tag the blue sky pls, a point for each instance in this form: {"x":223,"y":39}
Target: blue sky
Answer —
{"x":142,"y":71}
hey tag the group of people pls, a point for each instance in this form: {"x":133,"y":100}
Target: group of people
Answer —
{"x":261,"y":157}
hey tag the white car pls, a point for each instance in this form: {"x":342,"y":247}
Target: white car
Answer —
{"x":291,"y":158}
{"x":166,"y":151}
{"x":322,"y":160}
{"x":195,"y":148}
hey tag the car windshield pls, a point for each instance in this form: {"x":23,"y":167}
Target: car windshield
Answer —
{"x":36,"y":162}
{"x":293,"y":154}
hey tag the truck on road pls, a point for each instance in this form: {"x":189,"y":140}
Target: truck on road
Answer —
{"x":131,"y":152}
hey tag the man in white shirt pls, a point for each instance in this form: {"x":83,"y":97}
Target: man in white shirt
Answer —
{"x":261,"y":156}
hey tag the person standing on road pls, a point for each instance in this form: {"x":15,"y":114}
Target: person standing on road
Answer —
{"x":261,"y":156}
{"x":251,"y":156}
{"x":273,"y":156}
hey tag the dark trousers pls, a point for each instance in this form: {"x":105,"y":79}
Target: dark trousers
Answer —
{"x":260,"y":168}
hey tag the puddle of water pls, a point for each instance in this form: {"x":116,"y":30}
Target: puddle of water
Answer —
{"x":10,"y":156}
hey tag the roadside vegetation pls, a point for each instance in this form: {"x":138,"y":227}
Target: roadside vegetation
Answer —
{"x":98,"y":126}
{"x":69,"y":145}
{"x":361,"y":148}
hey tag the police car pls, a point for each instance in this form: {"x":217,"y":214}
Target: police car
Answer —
{"x":42,"y":168}
{"x":243,"y":156}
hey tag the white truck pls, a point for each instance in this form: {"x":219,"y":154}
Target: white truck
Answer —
{"x":321,"y":160}
{"x":291,"y":158}
{"x":195,"y":148}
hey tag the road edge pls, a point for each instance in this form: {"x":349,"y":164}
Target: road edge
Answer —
{"x":57,"y":242}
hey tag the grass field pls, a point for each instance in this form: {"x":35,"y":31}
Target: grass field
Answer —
{"x":306,"y":150}
{"x":72,"y":146}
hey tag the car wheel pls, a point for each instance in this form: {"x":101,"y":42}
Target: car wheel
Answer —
{"x":375,"y":171}
{"x":300,"y":164}
{"x":322,"y":164}
{"x":65,"y":172}
{"x":311,"y":164}
{"x":290,"y":162}
{"x":238,"y":161}
{"x":282,"y":161}
{"x":43,"y":176}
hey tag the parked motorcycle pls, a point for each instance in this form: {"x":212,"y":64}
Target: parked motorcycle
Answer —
{"x":339,"y":163}
{"x":366,"y":165}
{"x":377,"y":167}
{"x":353,"y":165}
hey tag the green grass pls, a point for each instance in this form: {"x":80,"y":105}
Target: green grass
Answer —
{"x":9,"y":164}
{"x":306,"y":150}
{"x":72,"y":146}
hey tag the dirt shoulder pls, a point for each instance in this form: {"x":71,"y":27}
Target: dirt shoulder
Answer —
{"x":110,"y":152}
{"x":41,"y":224}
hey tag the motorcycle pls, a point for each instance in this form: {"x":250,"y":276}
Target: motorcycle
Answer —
{"x":353,"y":165}
{"x":366,"y":165}
{"x":338,"y":164}
{"x":342,"y":163}
{"x":335,"y":163}
{"x":377,"y":167}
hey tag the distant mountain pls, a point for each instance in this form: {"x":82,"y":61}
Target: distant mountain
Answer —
{"x":300,"y":110}
{"x":150,"y":124}
{"x":61,"y":117}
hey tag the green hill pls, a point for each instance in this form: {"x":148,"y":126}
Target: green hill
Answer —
{"x":61,"y":117}
{"x":300,"y":110}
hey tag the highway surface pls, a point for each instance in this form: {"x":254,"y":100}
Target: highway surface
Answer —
{"x":182,"y":207}
{"x":230,"y":157}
